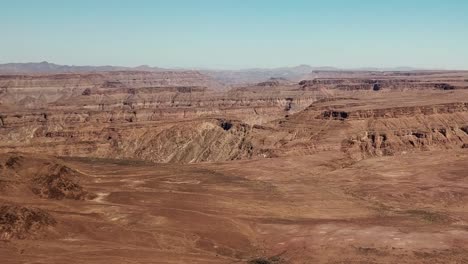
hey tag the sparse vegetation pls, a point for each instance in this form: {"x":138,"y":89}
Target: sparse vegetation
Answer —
{"x":21,"y":222}
{"x":264,"y":260}
{"x":428,"y":216}
{"x":58,"y":182}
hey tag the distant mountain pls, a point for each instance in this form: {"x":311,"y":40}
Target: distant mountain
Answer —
{"x":224,"y":76}
{"x":46,"y":67}
{"x":256,"y":75}
{"x":396,"y":69}
{"x":228,"y":77}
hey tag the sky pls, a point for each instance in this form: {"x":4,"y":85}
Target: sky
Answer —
{"x":232,"y":34}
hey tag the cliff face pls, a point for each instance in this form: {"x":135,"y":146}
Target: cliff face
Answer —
{"x":156,"y":116}
{"x":215,"y":140}
{"x":365,"y":128}
{"x":168,"y":134}
{"x":179,"y":117}
{"x":388,"y":84}
{"x":391,"y":137}
{"x":395,"y":112}
{"x":56,"y":87}
{"x":106,"y":80}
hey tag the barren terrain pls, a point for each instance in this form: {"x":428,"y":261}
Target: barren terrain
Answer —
{"x":135,"y":166}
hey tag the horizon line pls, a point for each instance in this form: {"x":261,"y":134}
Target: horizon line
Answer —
{"x":246,"y":68}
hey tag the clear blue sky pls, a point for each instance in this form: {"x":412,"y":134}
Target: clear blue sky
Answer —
{"x":236,"y":33}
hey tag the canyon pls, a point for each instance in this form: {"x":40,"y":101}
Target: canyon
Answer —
{"x":140,"y":165}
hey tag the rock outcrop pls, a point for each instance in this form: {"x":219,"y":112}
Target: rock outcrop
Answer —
{"x":26,"y":175}
{"x":20,"y":222}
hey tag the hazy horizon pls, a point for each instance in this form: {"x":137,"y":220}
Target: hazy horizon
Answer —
{"x":318,"y":67}
{"x":232,"y":35}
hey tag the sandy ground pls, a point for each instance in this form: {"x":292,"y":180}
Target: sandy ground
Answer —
{"x":310,"y":209}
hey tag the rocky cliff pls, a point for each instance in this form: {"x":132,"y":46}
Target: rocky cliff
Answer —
{"x":180,"y":117}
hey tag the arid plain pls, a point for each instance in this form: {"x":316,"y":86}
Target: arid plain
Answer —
{"x":158,"y":166}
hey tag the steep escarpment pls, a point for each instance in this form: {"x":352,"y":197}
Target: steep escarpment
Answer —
{"x":384,"y":125}
{"x":362,"y":128}
{"x":115,"y":79}
{"x":186,"y":142}
{"x":134,"y":120}
{"x":216,"y":140}
{"x":382,"y":84}
{"x":115,"y":130}
{"x":52,"y":88}
{"x":395,"y":112}
{"x":173,"y":117}
{"x":425,"y":134}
